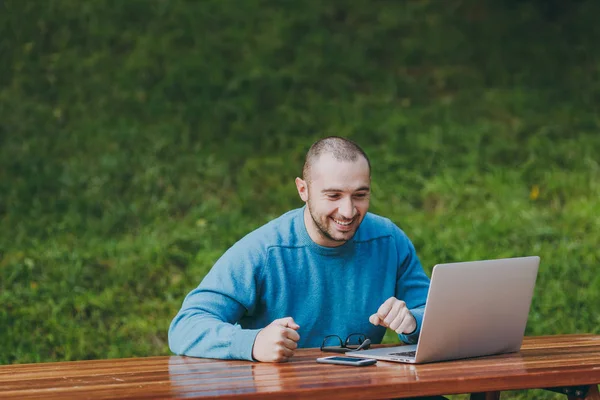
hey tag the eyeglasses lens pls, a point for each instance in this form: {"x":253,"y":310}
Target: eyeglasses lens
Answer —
{"x":332,"y":341}
{"x":355,"y":340}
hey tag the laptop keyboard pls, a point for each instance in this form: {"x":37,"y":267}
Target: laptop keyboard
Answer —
{"x":405,"y":354}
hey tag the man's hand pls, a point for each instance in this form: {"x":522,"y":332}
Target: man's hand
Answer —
{"x":277,"y":341}
{"x":394,"y":314}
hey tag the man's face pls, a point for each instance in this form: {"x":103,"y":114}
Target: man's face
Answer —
{"x":337,"y":198}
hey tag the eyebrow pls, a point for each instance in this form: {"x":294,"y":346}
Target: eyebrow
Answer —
{"x":334,"y":190}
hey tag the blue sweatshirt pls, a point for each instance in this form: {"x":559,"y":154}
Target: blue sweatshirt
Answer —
{"x":278,"y":271}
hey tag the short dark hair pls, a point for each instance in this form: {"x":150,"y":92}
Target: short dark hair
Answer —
{"x":340,"y":148}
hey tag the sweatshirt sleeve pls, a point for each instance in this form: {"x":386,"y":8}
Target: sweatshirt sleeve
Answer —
{"x":412,"y":284}
{"x":207,"y":323}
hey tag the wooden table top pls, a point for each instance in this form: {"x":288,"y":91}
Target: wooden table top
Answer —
{"x":545,"y":361}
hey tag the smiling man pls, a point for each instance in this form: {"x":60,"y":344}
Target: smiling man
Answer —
{"x":328,"y":268}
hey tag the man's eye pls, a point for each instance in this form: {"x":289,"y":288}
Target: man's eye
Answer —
{"x":360,"y":195}
{"x":333,"y":196}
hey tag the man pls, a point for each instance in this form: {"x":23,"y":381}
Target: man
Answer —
{"x":328,"y":268}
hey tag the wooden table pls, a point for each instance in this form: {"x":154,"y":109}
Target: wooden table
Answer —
{"x":543,"y":362}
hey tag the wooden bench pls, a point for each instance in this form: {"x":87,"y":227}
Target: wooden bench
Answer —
{"x":568,"y":364}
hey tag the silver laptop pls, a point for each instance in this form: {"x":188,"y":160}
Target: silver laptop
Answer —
{"x":473,"y":309}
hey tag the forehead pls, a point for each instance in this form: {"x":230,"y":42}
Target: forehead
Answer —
{"x":330,"y":173}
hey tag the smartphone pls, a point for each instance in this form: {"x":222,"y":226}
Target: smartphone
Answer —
{"x":356,"y":362}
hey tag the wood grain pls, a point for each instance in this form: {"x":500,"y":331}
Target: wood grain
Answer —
{"x":547,"y":361}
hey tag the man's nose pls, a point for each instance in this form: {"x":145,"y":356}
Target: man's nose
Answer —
{"x":346,"y":209}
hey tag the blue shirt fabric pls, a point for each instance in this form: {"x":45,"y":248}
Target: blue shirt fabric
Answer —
{"x":278,"y":271}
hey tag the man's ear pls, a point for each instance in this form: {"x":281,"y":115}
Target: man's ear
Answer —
{"x":302,"y":189}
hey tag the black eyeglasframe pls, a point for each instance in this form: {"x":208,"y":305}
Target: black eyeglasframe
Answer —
{"x":363,"y":343}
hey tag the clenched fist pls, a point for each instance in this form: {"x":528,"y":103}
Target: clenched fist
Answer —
{"x":277,"y":341}
{"x":394,"y":314}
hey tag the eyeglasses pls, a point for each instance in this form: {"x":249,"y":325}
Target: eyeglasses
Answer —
{"x":354,"y":342}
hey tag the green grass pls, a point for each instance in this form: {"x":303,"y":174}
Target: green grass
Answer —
{"x":139,"y":140}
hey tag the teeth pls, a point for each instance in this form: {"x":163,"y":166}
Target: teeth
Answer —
{"x":342,"y":223}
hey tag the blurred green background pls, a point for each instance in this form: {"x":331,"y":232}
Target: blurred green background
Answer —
{"x":139,"y":139}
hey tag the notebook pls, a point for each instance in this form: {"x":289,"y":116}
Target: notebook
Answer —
{"x":473,"y":309}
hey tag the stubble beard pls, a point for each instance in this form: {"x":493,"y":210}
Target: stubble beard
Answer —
{"x":323,"y":231}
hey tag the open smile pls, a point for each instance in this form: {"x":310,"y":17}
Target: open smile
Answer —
{"x":343,"y":225}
